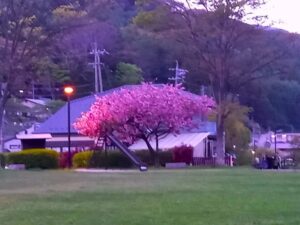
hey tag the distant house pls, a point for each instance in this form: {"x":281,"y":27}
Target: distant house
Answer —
{"x":23,"y":113}
{"x":13,"y":144}
{"x":283,"y":142}
{"x":57,"y":127}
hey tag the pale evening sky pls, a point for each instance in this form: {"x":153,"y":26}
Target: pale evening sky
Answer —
{"x":284,"y":14}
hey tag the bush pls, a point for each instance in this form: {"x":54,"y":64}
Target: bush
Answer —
{"x":2,"y":160}
{"x":63,"y":159}
{"x":296,"y":158}
{"x":183,"y":153}
{"x":165,"y":157}
{"x":117,"y":159}
{"x":97,"y":159}
{"x":145,"y":157}
{"x":82,"y":159}
{"x":35,"y":158}
{"x":243,"y":158}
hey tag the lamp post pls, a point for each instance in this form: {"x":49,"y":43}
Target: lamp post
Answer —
{"x":275,"y":139}
{"x":69,"y":90}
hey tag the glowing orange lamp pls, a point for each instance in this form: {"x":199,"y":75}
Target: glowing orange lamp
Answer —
{"x":69,"y":90}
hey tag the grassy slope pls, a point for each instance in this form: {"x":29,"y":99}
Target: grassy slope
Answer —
{"x":240,"y":197}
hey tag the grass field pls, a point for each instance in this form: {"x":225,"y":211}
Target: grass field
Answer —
{"x":158,"y":197}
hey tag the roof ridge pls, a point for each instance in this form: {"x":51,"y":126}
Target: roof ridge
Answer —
{"x":102,"y":93}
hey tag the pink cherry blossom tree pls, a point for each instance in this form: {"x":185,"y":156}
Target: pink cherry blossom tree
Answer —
{"x":144,"y":112}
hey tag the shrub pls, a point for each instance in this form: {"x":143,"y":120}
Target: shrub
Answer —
{"x":243,"y":158}
{"x":145,"y":157}
{"x":82,"y":159}
{"x":97,"y":159}
{"x":2,"y":160}
{"x":35,"y":158}
{"x":296,"y":158}
{"x":117,"y":159}
{"x":165,"y":157}
{"x":63,"y":159}
{"x":183,"y":153}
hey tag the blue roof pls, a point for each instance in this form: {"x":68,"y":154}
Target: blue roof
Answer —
{"x":57,"y":123}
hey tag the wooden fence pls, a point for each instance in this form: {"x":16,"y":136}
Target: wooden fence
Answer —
{"x":202,"y":161}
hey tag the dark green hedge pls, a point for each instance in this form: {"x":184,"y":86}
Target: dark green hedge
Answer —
{"x":243,"y":158}
{"x":97,"y":159}
{"x":144,"y":156}
{"x":2,"y":160}
{"x":115,"y":159}
{"x":164,"y":157}
{"x":35,"y":158}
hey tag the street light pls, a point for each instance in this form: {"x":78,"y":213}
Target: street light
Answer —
{"x":275,"y":139}
{"x":69,"y":90}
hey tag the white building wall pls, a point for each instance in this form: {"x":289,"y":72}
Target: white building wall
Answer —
{"x":13,"y":145}
{"x":199,"y":149}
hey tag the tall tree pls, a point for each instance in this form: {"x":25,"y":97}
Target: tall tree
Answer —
{"x":238,"y":134}
{"x":229,"y":52}
{"x":26,"y":28}
{"x":128,"y":74}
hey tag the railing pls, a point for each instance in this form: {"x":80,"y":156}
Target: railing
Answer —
{"x":201,"y":161}
{"x":209,"y":161}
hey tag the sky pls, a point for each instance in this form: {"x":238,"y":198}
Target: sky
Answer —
{"x":283,"y":14}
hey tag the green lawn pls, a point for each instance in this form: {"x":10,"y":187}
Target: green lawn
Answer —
{"x":158,"y":197}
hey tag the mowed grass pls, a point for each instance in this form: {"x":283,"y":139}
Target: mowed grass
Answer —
{"x":158,"y":197}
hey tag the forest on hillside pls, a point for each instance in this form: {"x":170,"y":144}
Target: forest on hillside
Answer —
{"x":252,"y":71}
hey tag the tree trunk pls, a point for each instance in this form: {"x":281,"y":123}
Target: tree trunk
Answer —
{"x":156,"y":162}
{"x":3,"y":101}
{"x":220,"y":153}
{"x":1,"y":129}
{"x":151,"y":150}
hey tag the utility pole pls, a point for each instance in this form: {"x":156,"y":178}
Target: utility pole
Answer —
{"x":179,"y":74}
{"x":97,"y":66}
{"x":1,"y":132}
{"x":202,"y":89}
{"x":33,"y":90}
